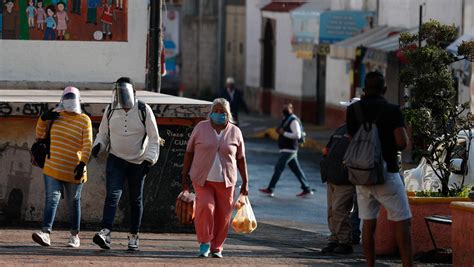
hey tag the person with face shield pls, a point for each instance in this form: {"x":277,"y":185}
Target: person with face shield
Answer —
{"x":214,"y":153}
{"x":65,"y":169}
{"x":289,"y":132}
{"x":128,"y":131}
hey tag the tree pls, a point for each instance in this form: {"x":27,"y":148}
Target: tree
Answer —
{"x":433,"y":114}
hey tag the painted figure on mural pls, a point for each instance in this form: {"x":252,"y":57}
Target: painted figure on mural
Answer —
{"x":63,"y":20}
{"x":119,"y":4}
{"x":11,"y":21}
{"x":92,"y":11}
{"x":76,"y":7}
{"x":107,"y":18}
{"x":49,"y":33}
{"x":2,"y":3}
{"x":40,"y":15}
{"x":30,"y":13}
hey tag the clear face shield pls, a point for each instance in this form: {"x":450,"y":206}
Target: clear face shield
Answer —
{"x":123,"y":96}
{"x":70,"y":103}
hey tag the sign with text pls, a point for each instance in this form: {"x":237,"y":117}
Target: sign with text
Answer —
{"x":336,"y":26}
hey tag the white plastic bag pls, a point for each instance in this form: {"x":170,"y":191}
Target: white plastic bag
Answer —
{"x":244,"y":221}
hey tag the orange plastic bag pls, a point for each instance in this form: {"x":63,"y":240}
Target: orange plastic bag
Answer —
{"x":185,"y":207}
{"x":244,"y":221}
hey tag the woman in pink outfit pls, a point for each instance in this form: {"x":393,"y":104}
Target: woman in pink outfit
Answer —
{"x":214,"y":153}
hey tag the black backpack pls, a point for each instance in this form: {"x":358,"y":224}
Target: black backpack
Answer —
{"x":40,"y":149}
{"x":332,"y":168}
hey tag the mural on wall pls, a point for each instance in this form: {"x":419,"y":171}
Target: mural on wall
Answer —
{"x":171,"y":42}
{"x":74,"y":20}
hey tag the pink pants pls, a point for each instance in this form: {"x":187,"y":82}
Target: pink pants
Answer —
{"x":213,"y":212}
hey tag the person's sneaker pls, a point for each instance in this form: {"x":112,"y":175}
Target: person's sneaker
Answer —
{"x":42,"y":238}
{"x":133,"y":242}
{"x":217,"y":254}
{"x":344,"y":249}
{"x":204,"y":250}
{"x":102,"y":238}
{"x":74,"y":241}
{"x":305,"y":194}
{"x":266,"y":191}
{"x":330,"y":247}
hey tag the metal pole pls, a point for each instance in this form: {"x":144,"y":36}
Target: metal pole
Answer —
{"x":419,"y":25}
{"x":221,"y":24}
{"x":154,"y":47}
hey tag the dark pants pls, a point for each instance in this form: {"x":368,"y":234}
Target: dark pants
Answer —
{"x":290,"y":158}
{"x":49,"y":34}
{"x":76,"y":6}
{"x":355,"y":220}
{"x":117,"y":172}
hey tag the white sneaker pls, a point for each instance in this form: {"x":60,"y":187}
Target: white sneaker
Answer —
{"x":42,"y":238}
{"x":102,"y":238}
{"x":133,"y":242}
{"x":74,"y":241}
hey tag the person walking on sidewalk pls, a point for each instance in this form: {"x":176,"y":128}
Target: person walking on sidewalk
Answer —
{"x":235,"y":98}
{"x":64,"y":171}
{"x":129,"y":132}
{"x":214,"y":153}
{"x":391,"y":194}
{"x":289,"y":132}
{"x":340,"y":192}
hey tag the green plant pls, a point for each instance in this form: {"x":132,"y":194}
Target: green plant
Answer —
{"x":433,"y":114}
{"x":454,"y":191}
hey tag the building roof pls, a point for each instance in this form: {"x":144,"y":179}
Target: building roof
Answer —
{"x":282,"y":6}
{"x":312,"y":8}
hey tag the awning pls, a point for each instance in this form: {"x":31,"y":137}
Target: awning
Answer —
{"x":283,"y":6}
{"x":347,"y":48}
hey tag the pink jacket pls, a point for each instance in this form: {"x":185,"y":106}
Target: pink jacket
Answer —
{"x":203,"y":143}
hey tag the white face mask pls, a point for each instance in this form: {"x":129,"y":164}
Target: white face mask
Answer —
{"x":71,"y":105}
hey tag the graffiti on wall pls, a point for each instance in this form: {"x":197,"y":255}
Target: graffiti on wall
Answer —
{"x":75,"y":20}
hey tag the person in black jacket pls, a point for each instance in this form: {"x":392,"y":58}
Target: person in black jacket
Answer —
{"x":235,"y":98}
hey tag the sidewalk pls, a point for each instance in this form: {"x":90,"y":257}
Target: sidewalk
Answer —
{"x":263,"y":126}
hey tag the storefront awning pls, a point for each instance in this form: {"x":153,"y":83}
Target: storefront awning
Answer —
{"x":347,"y":48}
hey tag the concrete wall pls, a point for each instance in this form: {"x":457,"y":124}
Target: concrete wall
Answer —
{"x":288,"y":68}
{"x":338,"y":81}
{"x":77,"y":61}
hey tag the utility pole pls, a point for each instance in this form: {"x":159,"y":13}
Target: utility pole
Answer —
{"x":420,"y":22}
{"x":153,"y":82}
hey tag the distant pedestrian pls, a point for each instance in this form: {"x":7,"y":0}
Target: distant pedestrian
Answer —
{"x":391,"y":194}
{"x":235,"y":98}
{"x":289,"y":132}
{"x":214,"y":153}
{"x":128,"y":130}
{"x":65,"y":169}
{"x":340,"y":192}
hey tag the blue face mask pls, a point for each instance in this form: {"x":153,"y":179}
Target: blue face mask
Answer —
{"x":218,"y":118}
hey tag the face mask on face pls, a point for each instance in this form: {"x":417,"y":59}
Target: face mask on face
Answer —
{"x":285,"y":112}
{"x":218,"y":118}
{"x":70,"y":105}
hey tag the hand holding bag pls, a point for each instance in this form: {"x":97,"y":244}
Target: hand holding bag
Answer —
{"x":185,"y":207}
{"x":244,"y":221}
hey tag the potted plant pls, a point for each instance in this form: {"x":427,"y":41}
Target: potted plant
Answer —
{"x":436,"y":121}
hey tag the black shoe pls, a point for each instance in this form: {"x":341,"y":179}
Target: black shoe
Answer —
{"x":102,"y":238}
{"x":344,"y":249}
{"x":330,"y":247}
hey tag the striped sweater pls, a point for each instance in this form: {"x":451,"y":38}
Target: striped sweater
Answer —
{"x":71,"y":142}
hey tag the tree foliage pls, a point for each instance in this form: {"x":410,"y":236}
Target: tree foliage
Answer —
{"x":433,"y":114}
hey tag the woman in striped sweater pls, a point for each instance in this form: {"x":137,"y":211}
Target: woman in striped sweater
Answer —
{"x":65,"y":169}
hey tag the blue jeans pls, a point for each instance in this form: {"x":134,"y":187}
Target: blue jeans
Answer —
{"x":290,"y":158}
{"x":53,"y":190}
{"x":355,"y":220}
{"x":117,"y":172}
{"x":49,"y":34}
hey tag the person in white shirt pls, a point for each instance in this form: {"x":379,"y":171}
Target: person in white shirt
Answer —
{"x":289,"y":133}
{"x":128,"y":131}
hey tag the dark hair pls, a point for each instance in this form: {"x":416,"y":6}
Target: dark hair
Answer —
{"x":126,"y":80}
{"x":51,"y":7}
{"x":374,"y":83}
{"x":61,"y":2}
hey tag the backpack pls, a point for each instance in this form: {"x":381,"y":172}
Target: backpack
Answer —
{"x":141,"y":108}
{"x":288,"y":121}
{"x":40,"y":149}
{"x":331,"y":166}
{"x":363,"y":158}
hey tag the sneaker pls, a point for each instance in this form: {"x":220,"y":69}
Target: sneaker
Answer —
{"x":204,"y":250}
{"x":306,"y":193}
{"x":74,"y":241}
{"x":217,"y":254}
{"x":266,"y":191}
{"x":344,"y":249}
{"x":330,"y":247}
{"x":102,"y":238}
{"x":133,"y":242}
{"x":42,"y":238}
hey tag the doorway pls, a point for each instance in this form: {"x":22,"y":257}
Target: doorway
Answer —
{"x":268,"y":64}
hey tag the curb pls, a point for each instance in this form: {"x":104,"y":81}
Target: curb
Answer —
{"x":310,"y":143}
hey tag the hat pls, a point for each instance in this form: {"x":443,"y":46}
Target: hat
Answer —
{"x":350,"y":102}
{"x":71,"y":89}
{"x":230,"y":80}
